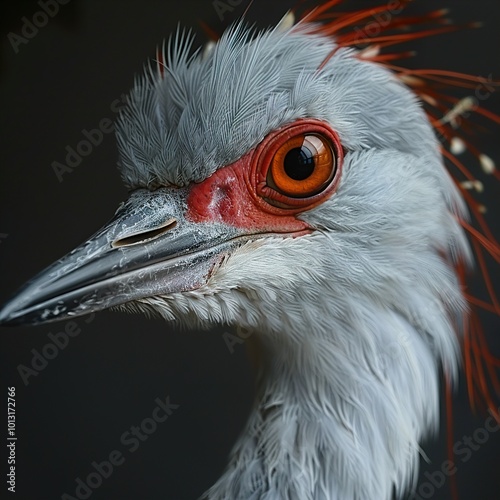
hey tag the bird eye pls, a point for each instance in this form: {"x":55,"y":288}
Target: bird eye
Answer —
{"x":298,"y":166}
{"x":302,"y":166}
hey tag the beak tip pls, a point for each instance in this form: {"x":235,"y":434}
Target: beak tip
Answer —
{"x":6,"y":318}
{"x":9,"y":313}
{"x":14,"y":313}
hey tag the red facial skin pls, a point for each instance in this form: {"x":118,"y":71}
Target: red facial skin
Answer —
{"x":236,"y":194}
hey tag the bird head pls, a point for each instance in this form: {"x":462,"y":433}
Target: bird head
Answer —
{"x":254,"y":168}
{"x":287,"y":183}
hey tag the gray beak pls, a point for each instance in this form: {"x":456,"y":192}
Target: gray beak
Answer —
{"x":148,"y":248}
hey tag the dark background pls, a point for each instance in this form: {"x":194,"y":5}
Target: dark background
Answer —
{"x":107,"y":378}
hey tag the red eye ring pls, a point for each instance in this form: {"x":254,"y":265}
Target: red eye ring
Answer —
{"x":279,"y":201}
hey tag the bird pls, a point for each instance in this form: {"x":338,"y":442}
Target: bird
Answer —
{"x":292,"y":184}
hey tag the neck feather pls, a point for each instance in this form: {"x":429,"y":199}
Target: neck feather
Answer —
{"x":337,"y":417}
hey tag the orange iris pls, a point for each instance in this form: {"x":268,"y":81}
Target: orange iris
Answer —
{"x":303,"y":166}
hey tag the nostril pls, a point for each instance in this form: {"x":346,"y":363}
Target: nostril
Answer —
{"x":144,"y":236}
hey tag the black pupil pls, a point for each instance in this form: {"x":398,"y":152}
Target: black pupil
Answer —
{"x":299,"y":163}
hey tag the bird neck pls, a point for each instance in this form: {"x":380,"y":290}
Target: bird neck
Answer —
{"x":326,"y":423}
